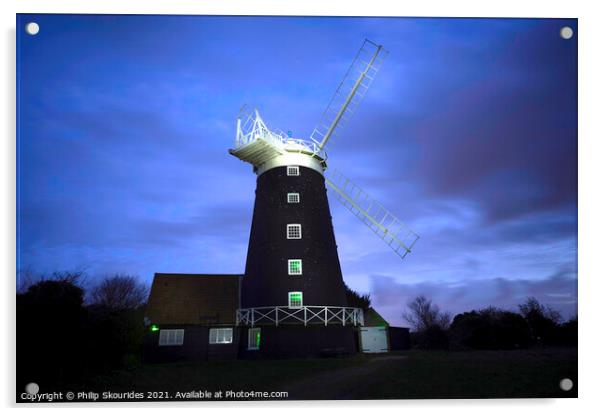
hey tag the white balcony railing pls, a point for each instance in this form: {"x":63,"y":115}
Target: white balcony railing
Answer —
{"x":250,"y":127}
{"x":305,"y":315}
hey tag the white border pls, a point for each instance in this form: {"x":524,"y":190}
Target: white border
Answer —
{"x":292,"y":194}
{"x":217,"y":330}
{"x":253,"y":329}
{"x":300,"y":267}
{"x":590,"y":201}
{"x":164,"y":340}
{"x":288,"y":230}
{"x":289,"y":300}
{"x":292,"y":170}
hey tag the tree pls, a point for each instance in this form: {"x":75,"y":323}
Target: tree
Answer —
{"x":62,"y":340}
{"x":490,"y":328}
{"x":50,"y":323}
{"x":120,"y":292}
{"x":27,"y":278}
{"x":544,"y":322}
{"x":423,"y":314}
{"x":357,"y":300}
{"x":568,"y":333}
{"x":532,"y":307}
{"x":429,"y":324}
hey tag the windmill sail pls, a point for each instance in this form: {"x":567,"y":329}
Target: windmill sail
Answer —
{"x":350,"y":92}
{"x":379,"y":219}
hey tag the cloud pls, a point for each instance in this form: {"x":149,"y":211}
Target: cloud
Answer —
{"x":468,"y":134}
{"x":558,"y":290}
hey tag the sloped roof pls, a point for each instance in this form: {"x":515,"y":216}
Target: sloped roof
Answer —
{"x":373,"y":318}
{"x":193,"y":299}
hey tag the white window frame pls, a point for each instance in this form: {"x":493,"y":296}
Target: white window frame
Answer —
{"x":289,"y":300}
{"x":171,"y":337}
{"x":300,"y":267}
{"x":251,"y":345}
{"x":292,"y":171}
{"x":293,"y":198}
{"x":220,"y":335}
{"x":290,"y":231}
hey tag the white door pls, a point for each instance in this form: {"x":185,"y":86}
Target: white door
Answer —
{"x":374,"y":339}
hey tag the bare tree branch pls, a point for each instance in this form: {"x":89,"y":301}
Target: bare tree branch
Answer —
{"x":423,"y":314}
{"x":120,"y":292}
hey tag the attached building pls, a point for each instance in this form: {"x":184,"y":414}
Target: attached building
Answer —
{"x":192,"y":317}
{"x":377,"y":336}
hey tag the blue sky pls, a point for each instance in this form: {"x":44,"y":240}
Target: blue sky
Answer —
{"x":468,"y":134}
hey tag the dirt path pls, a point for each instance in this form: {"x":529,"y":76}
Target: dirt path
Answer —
{"x":339,"y":384}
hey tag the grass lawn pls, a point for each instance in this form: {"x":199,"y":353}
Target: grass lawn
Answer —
{"x":249,"y":375}
{"x":482,"y":374}
{"x":405,"y":375}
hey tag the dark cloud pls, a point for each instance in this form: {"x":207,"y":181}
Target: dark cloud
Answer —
{"x":229,"y":224}
{"x":468,"y":133}
{"x":490,"y":124}
{"x":558,"y":290}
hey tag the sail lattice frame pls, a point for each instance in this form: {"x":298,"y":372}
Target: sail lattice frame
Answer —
{"x":350,"y":92}
{"x":379,"y":219}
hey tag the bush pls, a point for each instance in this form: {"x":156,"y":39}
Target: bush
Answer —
{"x":357,"y":300}
{"x":50,"y":323}
{"x":60,"y":340}
{"x":567,"y":334}
{"x":543,"y":321}
{"x":432,"y":338}
{"x":490,"y":329}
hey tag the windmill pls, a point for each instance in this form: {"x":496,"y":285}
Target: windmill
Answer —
{"x":292,"y":294}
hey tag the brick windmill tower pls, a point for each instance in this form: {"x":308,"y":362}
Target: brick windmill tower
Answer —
{"x":293,"y":298}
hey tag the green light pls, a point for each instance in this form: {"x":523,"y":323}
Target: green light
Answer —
{"x":154,"y":328}
{"x":258,"y":338}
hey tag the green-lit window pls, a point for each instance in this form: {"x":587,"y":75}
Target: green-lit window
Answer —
{"x":292,"y":170}
{"x":295,"y":300}
{"x":295,"y":267}
{"x":254,"y":338}
{"x":292,"y":198}
{"x":171,"y":337}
